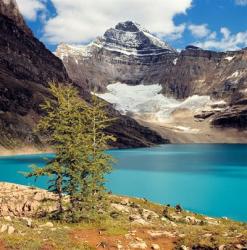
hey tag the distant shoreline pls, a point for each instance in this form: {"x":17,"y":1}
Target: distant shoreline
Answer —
{"x":24,"y":151}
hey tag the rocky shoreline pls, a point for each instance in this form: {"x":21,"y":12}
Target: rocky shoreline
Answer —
{"x":130,"y":223}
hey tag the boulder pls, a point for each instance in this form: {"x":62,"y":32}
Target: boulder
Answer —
{"x":148,"y":214}
{"x":137,"y":219}
{"x":23,"y":201}
{"x":192,"y":220}
{"x":120,"y":208}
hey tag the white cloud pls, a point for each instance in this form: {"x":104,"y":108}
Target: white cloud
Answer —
{"x":241,"y":2}
{"x":82,"y":20}
{"x":228,"y":41}
{"x":177,"y":33}
{"x":31,"y":8}
{"x":199,"y":31}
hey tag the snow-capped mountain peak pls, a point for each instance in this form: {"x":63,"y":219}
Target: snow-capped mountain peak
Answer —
{"x":130,"y":37}
{"x":127,"y":38}
{"x":126,"y":53}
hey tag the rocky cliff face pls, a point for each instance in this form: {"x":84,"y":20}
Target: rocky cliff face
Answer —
{"x":221,"y":75}
{"x":127,"y":53}
{"x":200,"y":72}
{"x":10,"y":9}
{"x":130,"y":54}
{"x":26,"y":68}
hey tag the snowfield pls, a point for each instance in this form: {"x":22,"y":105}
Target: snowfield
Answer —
{"x":148,"y":102}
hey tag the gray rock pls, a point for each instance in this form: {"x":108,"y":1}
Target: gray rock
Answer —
{"x":137,"y":219}
{"x":138,"y":245}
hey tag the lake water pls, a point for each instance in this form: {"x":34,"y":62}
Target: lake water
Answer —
{"x":204,"y":178}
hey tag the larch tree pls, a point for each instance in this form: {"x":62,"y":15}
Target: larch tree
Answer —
{"x":76,"y":131}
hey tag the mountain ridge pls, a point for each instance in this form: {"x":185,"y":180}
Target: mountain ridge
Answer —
{"x":26,"y":68}
{"x":118,"y":56}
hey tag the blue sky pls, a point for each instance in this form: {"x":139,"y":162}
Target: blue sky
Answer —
{"x":210,"y":24}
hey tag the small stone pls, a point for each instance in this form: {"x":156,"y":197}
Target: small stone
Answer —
{"x":11,"y":230}
{"x":184,"y":248}
{"x":119,"y":246}
{"x":207,"y":235}
{"x":4,"y":228}
{"x":114,"y":214}
{"x":138,"y":245}
{"x":155,"y":247}
{"x":164,"y":219}
{"x":8,"y":218}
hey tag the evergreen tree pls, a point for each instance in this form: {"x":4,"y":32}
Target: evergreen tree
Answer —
{"x":76,"y":132}
{"x":100,"y":163}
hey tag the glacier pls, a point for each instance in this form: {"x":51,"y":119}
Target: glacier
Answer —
{"x":147,"y":101}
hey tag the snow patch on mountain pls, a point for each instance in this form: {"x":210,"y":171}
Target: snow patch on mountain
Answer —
{"x":80,"y":51}
{"x":147,"y":101}
{"x":229,"y":58}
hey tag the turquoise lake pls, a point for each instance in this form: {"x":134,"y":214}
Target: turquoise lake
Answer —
{"x":205,"y":178}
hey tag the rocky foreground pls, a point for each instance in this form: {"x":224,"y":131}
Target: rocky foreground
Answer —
{"x":129,"y":224}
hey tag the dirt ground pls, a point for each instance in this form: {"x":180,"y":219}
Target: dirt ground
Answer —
{"x":100,"y":240}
